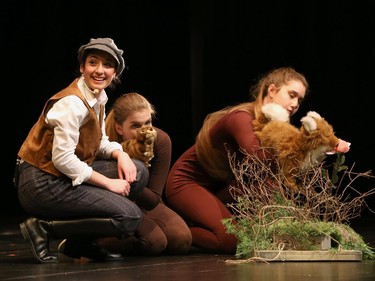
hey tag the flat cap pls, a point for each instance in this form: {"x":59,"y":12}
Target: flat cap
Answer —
{"x":106,"y":45}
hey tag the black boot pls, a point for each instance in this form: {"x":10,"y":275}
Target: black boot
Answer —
{"x":76,"y":248}
{"x":80,"y":237}
{"x":38,"y":238}
{"x":80,"y":233}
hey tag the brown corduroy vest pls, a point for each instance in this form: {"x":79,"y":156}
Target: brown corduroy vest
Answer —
{"x":37,"y":147}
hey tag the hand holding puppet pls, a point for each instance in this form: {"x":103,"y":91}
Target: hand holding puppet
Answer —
{"x":142,"y":147}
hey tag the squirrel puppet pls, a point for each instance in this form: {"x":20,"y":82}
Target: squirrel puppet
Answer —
{"x":142,"y":147}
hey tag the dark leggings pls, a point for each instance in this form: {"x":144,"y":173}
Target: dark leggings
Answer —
{"x":161,"y":231}
{"x":205,"y":212}
{"x":50,"y":197}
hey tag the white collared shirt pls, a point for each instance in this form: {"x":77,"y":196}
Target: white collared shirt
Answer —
{"x":67,"y":116}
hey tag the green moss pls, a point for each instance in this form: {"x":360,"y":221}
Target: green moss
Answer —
{"x":297,"y":235}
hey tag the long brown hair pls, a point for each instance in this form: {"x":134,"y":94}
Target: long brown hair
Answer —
{"x":215,"y":163}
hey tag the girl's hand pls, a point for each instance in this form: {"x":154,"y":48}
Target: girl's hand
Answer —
{"x":119,"y":186}
{"x":126,"y":168}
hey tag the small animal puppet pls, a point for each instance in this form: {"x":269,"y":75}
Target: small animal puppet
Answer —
{"x":142,"y":147}
{"x":296,"y":149}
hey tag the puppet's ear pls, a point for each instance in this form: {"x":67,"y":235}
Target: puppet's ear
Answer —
{"x":309,"y":123}
{"x":274,"y":111}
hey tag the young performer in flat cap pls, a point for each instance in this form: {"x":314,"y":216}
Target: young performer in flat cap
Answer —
{"x":75,"y":183}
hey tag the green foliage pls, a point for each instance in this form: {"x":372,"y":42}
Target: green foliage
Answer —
{"x":294,"y":234}
{"x":269,"y":217}
{"x":338,"y":166}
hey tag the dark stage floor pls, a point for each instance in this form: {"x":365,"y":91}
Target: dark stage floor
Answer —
{"x":17,"y":263}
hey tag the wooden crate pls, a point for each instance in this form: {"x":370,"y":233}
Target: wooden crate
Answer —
{"x":326,"y":255}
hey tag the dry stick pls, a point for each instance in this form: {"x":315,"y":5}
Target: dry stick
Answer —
{"x":258,"y":182}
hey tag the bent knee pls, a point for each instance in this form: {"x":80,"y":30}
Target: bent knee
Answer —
{"x":128,"y":224}
{"x":155,"y":247}
{"x":142,"y":172}
{"x":180,"y":243}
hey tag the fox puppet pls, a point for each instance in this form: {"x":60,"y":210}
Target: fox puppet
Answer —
{"x":297,"y":149}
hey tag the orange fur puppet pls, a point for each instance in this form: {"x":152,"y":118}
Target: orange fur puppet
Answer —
{"x":296,"y":149}
{"x":142,"y":147}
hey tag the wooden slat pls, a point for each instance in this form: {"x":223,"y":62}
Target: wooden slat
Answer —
{"x":274,"y":255}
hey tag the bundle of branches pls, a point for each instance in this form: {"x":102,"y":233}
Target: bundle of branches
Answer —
{"x":325,"y":203}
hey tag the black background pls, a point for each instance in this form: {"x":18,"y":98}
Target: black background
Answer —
{"x":190,"y":58}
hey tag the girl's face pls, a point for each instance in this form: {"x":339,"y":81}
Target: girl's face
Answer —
{"x":135,"y":120}
{"x":98,"y":70}
{"x":289,"y":96}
